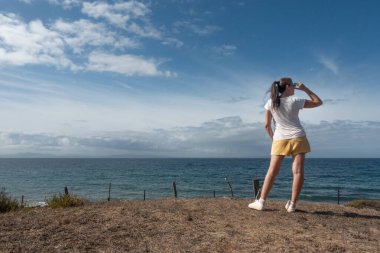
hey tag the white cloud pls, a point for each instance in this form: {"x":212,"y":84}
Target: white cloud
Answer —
{"x":334,"y":101}
{"x":26,"y":1}
{"x":201,"y":30}
{"x":145,"y":31}
{"x":329,"y":63}
{"x":66,"y":3}
{"x":104,"y":10}
{"x":131,"y":16}
{"x":30,"y":43}
{"x":81,"y":33}
{"x":118,"y":14}
{"x":225,"y":50}
{"x":24,"y":43}
{"x":125,"y":64}
{"x":173,"y":41}
{"x":238,"y":99}
{"x":205,"y":30}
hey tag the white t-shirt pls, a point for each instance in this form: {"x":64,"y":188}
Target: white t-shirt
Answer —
{"x":287,"y":123}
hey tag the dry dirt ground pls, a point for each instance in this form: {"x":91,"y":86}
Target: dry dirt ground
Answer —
{"x":190,"y":225}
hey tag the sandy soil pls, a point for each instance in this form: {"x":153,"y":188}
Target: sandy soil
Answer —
{"x":190,"y":225}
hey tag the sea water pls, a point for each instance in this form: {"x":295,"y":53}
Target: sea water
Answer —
{"x":38,"y":179}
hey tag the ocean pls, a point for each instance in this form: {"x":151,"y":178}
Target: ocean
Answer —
{"x":38,"y":179}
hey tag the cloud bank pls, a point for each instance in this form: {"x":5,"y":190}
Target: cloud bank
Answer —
{"x":225,"y":137}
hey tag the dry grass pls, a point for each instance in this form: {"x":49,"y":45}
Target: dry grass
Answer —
{"x":65,"y":200}
{"x":7,"y":203}
{"x":190,"y":225}
{"x":365,"y":203}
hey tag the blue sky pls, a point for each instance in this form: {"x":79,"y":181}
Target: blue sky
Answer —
{"x":183,"y":78}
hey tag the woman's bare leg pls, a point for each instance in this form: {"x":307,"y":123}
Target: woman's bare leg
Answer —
{"x":298,"y":175}
{"x":274,"y":168}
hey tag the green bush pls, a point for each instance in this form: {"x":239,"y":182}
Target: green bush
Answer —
{"x":6,"y":202}
{"x":65,"y":200}
{"x":364,"y":203}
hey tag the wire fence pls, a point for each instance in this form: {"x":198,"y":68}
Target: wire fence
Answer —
{"x":110,"y":191}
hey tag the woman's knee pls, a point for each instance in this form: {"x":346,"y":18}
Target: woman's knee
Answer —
{"x":298,"y":164}
{"x":297,"y":171}
{"x":298,"y":174}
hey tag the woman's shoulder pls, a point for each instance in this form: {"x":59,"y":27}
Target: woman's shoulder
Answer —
{"x":269,"y":100}
{"x":268,"y":104}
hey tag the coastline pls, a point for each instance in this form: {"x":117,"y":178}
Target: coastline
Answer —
{"x":38,"y":179}
{"x":190,"y":225}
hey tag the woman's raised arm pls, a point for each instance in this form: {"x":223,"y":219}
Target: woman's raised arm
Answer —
{"x":315,"y":100}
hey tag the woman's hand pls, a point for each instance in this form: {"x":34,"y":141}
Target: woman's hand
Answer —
{"x":301,"y":86}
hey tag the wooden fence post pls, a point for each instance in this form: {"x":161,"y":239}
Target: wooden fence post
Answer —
{"x":66,"y":191}
{"x":338,"y":197}
{"x":214,"y":194}
{"x":228,"y":182}
{"x":109,"y":192}
{"x":175,"y":189}
{"x":144,"y":194}
{"x":256,"y":188}
{"x":22,"y":201}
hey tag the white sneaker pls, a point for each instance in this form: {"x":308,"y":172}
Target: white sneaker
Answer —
{"x":257,"y":205}
{"x":290,"y":207}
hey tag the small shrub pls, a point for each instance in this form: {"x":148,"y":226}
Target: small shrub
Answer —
{"x":6,"y":202}
{"x":364,"y":203}
{"x":65,"y":200}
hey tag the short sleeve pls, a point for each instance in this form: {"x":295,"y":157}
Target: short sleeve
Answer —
{"x":299,"y":102}
{"x":268,"y":105}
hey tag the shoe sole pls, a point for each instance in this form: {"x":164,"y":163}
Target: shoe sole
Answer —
{"x":258,"y":209}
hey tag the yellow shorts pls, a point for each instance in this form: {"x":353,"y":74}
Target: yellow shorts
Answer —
{"x":291,"y":146}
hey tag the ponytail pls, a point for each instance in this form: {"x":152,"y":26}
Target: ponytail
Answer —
{"x":275,"y":95}
{"x":278,"y":87}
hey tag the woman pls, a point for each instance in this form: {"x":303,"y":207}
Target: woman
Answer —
{"x":289,"y":137}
